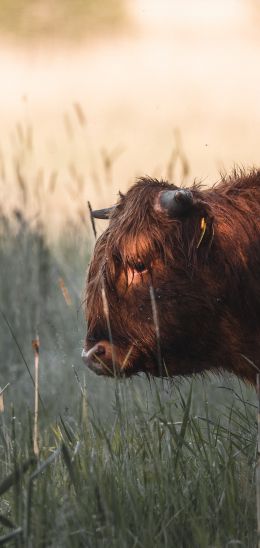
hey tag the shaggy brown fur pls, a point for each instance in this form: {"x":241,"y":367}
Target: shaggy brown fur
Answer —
{"x":206,"y":283}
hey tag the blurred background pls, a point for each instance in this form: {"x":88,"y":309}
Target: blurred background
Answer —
{"x":95,"y":93}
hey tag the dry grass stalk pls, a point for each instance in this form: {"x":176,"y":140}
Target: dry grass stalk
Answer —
{"x":36,"y":348}
{"x":82,"y":215}
{"x":2,"y":407}
{"x":178,"y":159}
{"x":84,"y":404}
{"x":258,"y":461}
{"x":65,"y":292}
{"x":108,"y":160}
{"x":29,"y":137}
{"x":157,"y":330}
{"x":127,"y":356}
{"x":92,"y":220}
{"x":80,"y":114}
{"x":105,"y":304}
{"x":106,"y":314}
{"x":53,"y":181}
{"x":21,"y":183}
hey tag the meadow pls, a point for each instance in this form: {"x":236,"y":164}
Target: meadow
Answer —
{"x":127,"y":463}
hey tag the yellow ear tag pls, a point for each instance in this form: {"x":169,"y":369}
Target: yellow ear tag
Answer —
{"x":203,"y":226}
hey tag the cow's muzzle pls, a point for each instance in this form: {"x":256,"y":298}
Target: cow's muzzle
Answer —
{"x":92,"y":358}
{"x":101,"y":359}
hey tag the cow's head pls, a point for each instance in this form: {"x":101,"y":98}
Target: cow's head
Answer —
{"x":149,"y":295}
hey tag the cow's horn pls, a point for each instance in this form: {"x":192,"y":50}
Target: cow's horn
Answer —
{"x":103,"y":213}
{"x":177,"y":203}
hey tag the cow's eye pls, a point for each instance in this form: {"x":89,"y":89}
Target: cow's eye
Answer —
{"x":139,"y":267}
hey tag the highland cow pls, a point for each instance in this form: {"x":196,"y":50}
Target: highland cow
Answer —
{"x":174,"y":284}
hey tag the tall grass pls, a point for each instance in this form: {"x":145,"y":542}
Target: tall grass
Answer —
{"x":158,"y":476}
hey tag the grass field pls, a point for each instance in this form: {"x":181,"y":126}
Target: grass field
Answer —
{"x":122,"y":464}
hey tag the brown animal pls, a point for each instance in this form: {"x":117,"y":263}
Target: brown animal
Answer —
{"x":174,"y":284}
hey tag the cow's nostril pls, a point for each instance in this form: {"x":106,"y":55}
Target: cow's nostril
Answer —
{"x":97,"y":349}
{"x":95,"y":358}
{"x":100,"y":349}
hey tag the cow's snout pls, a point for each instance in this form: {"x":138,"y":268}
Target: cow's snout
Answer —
{"x":99,"y":358}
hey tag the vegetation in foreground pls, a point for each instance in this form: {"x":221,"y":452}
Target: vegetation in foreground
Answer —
{"x":141,"y":479}
{"x":121,"y":464}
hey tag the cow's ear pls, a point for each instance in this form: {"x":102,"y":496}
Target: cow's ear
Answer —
{"x":196,"y":227}
{"x":197,"y":231}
